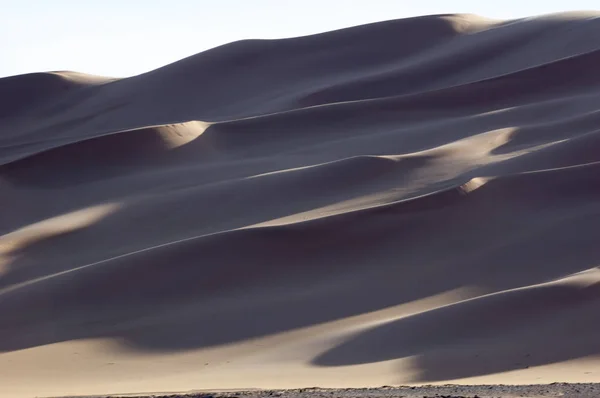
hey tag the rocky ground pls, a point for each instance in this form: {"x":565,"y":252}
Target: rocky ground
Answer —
{"x":564,"y":390}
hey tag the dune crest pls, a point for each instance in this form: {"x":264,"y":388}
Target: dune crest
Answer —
{"x":403,"y":202}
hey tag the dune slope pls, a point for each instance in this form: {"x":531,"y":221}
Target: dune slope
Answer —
{"x":412,"y":201}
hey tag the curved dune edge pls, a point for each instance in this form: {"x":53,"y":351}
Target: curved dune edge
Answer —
{"x":407,"y":202}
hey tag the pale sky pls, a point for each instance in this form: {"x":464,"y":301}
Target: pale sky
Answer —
{"x":127,"y":37}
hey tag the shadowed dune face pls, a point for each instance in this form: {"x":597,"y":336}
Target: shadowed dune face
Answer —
{"x":21,"y":94}
{"x":105,"y":156}
{"x":402,"y":202}
{"x":504,"y":331}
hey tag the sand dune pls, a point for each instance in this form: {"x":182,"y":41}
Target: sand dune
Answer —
{"x":397,"y":203}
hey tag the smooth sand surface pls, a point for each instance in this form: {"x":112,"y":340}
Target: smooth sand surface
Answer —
{"x":408,"y":202}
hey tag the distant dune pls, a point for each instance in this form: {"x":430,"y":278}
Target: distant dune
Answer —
{"x":406,"y":202}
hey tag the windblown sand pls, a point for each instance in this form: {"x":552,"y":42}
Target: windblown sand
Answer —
{"x":408,"y":202}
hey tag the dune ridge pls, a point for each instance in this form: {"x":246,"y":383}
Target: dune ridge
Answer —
{"x":406,"y":202}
